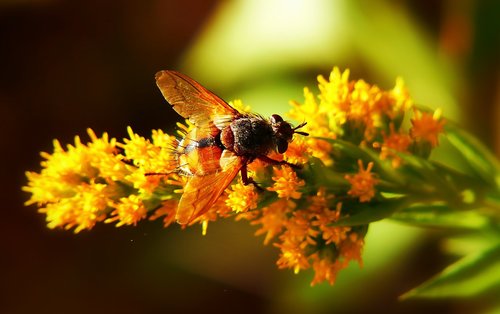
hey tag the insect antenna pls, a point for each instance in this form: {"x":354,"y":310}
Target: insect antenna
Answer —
{"x":298,"y":127}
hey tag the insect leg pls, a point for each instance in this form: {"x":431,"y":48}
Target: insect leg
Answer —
{"x":147,"y":174}
{"x":246,"y":179}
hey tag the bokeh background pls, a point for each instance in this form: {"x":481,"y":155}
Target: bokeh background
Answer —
{"x":66,"y":65}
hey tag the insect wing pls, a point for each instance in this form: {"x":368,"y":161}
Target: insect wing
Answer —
{"x":201,"y":192}
{"x":191,"y":100}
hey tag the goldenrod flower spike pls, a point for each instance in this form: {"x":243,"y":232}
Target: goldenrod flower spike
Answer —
{"x":361,"y":162}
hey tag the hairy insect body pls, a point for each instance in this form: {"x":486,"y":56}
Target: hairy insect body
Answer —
{"x":249,"y":136}
{"x":222,"y":143}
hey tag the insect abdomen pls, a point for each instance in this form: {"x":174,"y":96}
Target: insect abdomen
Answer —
{"x":199,"y":157}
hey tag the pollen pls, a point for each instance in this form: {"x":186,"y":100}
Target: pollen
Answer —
{"x":273,"y":219}
{"x":167,"y":211}
{"x":292,"y":256}
{"x":128,"y":211}
{"x":240,"y":106}
{"x":324,"y":218}
{"x":362,"y":183}
{"x":136,"y":148}
{"x":83,"y":210}
{"x":400,"y":98}
{"x":286,"y":183}
{"x":297,"y":152}
{"x":326,"y":269}
{"x":242,"y":198}
{"x":352,"y":248}
{"x":393,"y":144}
{"x":427,"y":126}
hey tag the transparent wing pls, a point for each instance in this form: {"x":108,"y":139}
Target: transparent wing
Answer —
{"x":191,"y":100}
{"x":201,"y":192}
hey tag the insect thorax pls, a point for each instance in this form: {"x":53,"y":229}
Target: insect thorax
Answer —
{"x":252,"y":135}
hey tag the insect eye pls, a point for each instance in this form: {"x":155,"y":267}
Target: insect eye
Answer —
{"x":281,"y":146}
{"x":276,"y":118}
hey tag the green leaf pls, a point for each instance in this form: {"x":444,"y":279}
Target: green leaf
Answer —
{"x":266,"y":199}
{"x":441,"y":216}
{"x":425,"y":170}
{"x":472,"y":275}
{"x":478,"y":157}
{"x":366,"y":213}
{"x":350,"y":150}
{"x":317,"y":172}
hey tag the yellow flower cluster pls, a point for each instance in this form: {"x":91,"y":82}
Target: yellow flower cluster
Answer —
{"x":101,"y":181}
{"x":302,"y":219}
{"x":298,"y":210}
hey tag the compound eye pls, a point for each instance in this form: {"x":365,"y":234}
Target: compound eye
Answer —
{"x":276,"y":118}
{"x":281,"y":146}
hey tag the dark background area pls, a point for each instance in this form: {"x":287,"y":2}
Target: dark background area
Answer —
{"x":66,"y":66}
{"x":69,"y":65}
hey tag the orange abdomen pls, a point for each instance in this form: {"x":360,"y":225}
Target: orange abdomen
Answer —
{"x":200,"y":157}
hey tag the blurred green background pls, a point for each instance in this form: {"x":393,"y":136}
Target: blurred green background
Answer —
{"x":69,"y":65}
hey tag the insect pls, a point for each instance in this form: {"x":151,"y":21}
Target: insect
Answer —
{"x":221,"y":144}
